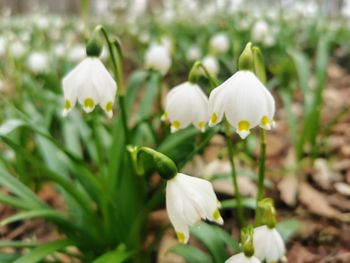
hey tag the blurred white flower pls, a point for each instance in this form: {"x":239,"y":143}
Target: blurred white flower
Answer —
{"x":211,"y":64}
{"x":259,"y":31}
{"x":268,"y":244}
{"x":193,"y":53}
{"x":59,"y":50}
{"x":186,"y":104}
{"x":144,"y":37}
{"x":245,"y":101}
{"x":90,"y":83}
{"x":17,"y":49}
{"x":167,"y":43}
{"x":157,"y":57}
{"x":2,"y":46}
{"x":242,"y":258}
{"x":219,"y":43}
{"x":77,"y":52}
{"x":38,"y":62}
{"x":188,"y":200}
{"x":42,"y":23}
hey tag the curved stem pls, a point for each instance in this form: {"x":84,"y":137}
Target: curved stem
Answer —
{"x":261,"y":178}
{"x":230,"y":149}
{"x":115,"y":51}
{"x":193,"y":72}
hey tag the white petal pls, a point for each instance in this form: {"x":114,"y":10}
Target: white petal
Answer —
{"x":261,"y":242}
{"x":242,"y":258}
{"x":105,"y":85}
{"x":216,"y":105}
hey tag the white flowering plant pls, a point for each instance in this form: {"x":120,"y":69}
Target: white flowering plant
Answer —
{"x":97,"y":122}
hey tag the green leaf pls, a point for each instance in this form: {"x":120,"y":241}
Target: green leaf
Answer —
{"x":208,"y":235}
{"x":17,"y":244}
{"x":150,"y":95}
{"x":118,"y":255}
{"x":42,"y":213}
{"x":15,"y":202}
{"x":8,"y":257}
{"x":288,"y":228}
{"x":232,"y":203}
{"x":11,"y":125}
{"x":42,"y":251}
{"x":191,"y":254}
{"x":133,"y":88}
{"x":19,"y":189}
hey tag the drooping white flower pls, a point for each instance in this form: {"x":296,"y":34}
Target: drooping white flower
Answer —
{"x":90,"y":83}
{"x":211,"y":64}
{"x":188,"y":200}
{"x":157,"y":57}
{"x":38,"y":62}
{"x":220,"y":43}
{"x":193,"y":53}
{"x":17,"y":49}
{"x":185,"y":104}
{"x":245,"y":101}
{"x":268,"y":244}
{"x":259,"y":31}
{"x":242,"y":258}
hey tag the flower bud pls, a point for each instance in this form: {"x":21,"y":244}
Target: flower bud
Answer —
{"x":266,"y":213}
{"x":94,"y":47}
{"x":246,"y":60}
{"x":247,"y":240}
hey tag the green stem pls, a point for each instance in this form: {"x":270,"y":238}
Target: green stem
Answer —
{"x":115,"y":51}
{"x":192,"y":75}
{"x":85,"y":11}
{"x":230,"y":149}
{"x":261,"y":178}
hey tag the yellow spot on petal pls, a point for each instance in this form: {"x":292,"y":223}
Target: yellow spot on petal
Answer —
{"x":89,"y":103}
{"x":176,"y":124}
{"x":109,"y":106}
{"x":181,"y":237}
{"x":201,"y":125}
{"x":67,"y":104}
{"x":214,"y":118}
{"x":216,"y":215}
{"x":243,"y":126}
{"x":265,"y":121}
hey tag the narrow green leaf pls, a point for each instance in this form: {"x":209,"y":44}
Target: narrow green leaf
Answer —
{"x":232,"y":203}
{"x":19,"y":189}
{"x":10,"y":125}
{"x":118,"y":255}
{"x":288,"y":228}
{"x":191,"y":254}
{"x":150,"y":95}
{"x":15,"y":202}
{"x":42,"y":213}
{"x":17,"y":244}
{"x":42,"y":251}
{"x":208,"y":235}
{"x":8,"y":257}
{"x":133,"y":88}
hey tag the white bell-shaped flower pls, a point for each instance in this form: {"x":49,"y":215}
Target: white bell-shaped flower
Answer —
{"x":186,"y":104}
{"x":242,"y":258}
{"x":211,"y":64}
{"x":158,"y":58}
{"x":193,"y":53}
{"x":245,"y":101}
{"x":188,"y":200}
{"x":90,"y":83}
{"x":259,"y":31}
{"x":268,"y":244}
{"x":219,"y":43}
{"x":38,"y":62}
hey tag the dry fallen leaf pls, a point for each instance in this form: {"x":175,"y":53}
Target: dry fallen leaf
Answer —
{"x":246,"y":186}
{"x":317,"y":203}
{"x":288,"y":188}
{"x":168,"y":241}
{"x":342,"y":188}
{"x":299,"y":254}
{"x":323,"y":175}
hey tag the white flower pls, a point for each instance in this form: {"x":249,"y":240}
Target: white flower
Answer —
{"x":158,"y":58}
{"x":211,"y":64}
{"x":242,"y":258}
{"x":91,"y":84}
{"x":38,"y":62}
{"x":193,"y":53}
{"x":260,"y":31}
{"x":268,"y":244}
{"x":245,"y":101}
{"x":188,"y":200}
{"x":186,"y":104}
{"x":17,"y":49}
{"x":220,"y":43}
{"x":77,"y":52}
